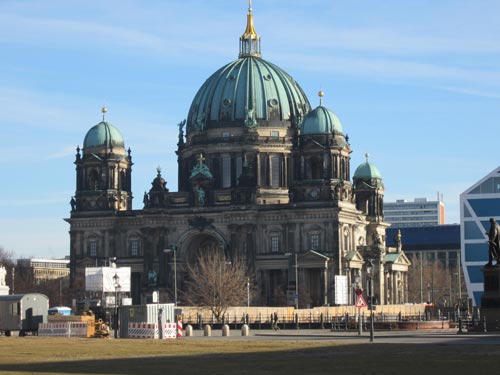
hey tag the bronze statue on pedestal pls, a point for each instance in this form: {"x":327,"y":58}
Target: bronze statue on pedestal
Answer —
{"x":494,"y":243}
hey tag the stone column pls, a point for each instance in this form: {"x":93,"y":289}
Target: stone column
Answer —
{"x":395,"y":287}
{"x":259,"y":179}
{"x":285,"y":171}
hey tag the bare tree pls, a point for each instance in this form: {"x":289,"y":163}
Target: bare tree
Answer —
{"x":7,"y":261}
{"x":6,"y":257}
{"x":216,"y":283}
{"x":431,"y":281}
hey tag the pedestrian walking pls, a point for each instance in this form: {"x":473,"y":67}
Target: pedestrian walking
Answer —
{"x":275,"y":321}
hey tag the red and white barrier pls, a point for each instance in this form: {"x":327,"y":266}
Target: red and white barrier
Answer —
{"x":179,"y":328}
{"x":78,"y":329}
{"x":69,"y":329}
{"x":54,"y":329}
{"x":143,"y":331}
{"x":169,"y":331}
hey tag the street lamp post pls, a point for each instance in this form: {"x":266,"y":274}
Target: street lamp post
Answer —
{"x":369,"y":273}
{"x":296,"y":283}
{"x":116,"y":284}
{"x":173,"y":249}
{"x":248,"y":292}
{"x":347,"y":271}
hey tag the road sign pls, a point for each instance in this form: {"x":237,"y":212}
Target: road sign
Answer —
{"x":358,"y":291}
{"x":361,"y":302}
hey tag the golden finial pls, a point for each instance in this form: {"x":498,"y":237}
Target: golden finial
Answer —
{"x":250,"y":32}
{"x":250,"y":40}
{"x":321,"y":94}
{"x":366,"y":156}
{"x":104,"y":110}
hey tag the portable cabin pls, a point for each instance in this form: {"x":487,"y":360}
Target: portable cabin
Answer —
{"x":23,"y":312}
{"x":150,"y":314}
{"x":62,"y":310}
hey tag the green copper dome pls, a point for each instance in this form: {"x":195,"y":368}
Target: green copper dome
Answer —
{"x":103,"y":135}
{"x":247,"y":92}
{"x":320,"y":121}
{"x":367,"y":171}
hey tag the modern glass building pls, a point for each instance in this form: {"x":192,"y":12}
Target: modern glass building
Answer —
{"x":478,"y":204}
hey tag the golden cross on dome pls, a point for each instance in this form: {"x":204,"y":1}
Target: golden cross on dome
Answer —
{"x":321,"y":94}
{"x":104,"y":110}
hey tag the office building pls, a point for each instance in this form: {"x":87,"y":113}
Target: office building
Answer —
{"x":478,"y":204}
{"x":420,"y":212}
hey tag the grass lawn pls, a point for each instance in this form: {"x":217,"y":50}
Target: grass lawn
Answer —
{"x":37,"y":355}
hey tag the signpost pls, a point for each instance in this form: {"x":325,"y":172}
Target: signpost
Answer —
{"x":360,"y":303}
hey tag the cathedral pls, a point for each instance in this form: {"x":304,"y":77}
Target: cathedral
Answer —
{"x":262,"y":176}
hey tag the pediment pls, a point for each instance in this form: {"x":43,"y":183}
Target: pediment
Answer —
{"x":313,"y":145}
{"x":353,"y":256}
{"x":397,"y":259}
{"x":312,"y":259}
{"x":87,"y":262}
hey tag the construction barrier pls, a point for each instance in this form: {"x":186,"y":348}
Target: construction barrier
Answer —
{"x":179,"y":326}
{"x":53,"y":329}
{"x":68,"y":329}
{"x":169,"y":331}
{"x":77,"y":329}
{"x":143,"y":331}
{"x":151,"y":331}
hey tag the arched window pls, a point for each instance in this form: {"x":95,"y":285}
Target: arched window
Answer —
{"x":315,"y":241}
{"x":92,"y":248}
{"x":275,"y":171}
{"x":134,"y":247}
{"x":316,"y":168}
{"x":346,"y":238}
{"x":226,"y":172}
{"x":123,"y":180}
{"x":93,"y":180}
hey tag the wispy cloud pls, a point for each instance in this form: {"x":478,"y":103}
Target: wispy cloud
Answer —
{"x":64,"y":152}
{"x":37,"y":108}
{"x":396,"y":69}
{"x":129,"y":40}
{"x":472,"y":92}
{"x":64,"y":30}
{"x":380,"y":40}
{"x":42,"y":201}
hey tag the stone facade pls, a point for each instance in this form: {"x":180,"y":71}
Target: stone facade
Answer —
{"x":253,"y":183}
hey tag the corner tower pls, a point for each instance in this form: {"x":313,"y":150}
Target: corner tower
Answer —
{"x":369,"y":194}
{"x":103,"y":171}
{"x":322,"y":158}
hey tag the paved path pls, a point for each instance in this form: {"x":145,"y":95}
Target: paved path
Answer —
{"x":444,"y":337}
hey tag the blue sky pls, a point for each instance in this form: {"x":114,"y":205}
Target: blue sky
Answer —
{"x":415,"y":83}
